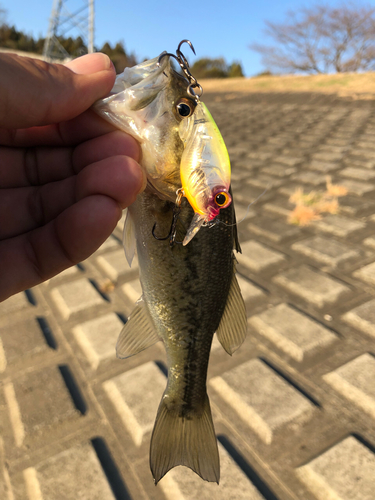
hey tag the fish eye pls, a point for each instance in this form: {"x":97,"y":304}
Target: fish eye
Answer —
{"x":221,"y":199}
{"x":184,"y":108}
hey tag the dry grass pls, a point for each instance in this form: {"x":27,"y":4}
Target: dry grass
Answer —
{"x":311,"y":206}
{"x":354,"y":85}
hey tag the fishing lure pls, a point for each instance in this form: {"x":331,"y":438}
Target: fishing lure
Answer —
{"x":205,"y":165}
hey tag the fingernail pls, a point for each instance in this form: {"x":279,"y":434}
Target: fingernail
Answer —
{"x":90,"y":63}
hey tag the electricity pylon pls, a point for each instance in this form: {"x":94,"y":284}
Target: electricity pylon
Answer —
{"x":62,"y":21}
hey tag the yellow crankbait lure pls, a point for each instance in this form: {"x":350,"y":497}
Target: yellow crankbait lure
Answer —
{"x":205,"y":165}
{"x":205,"y":168}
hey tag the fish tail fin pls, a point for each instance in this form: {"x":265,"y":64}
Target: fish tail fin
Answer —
{"x":189,"y":441}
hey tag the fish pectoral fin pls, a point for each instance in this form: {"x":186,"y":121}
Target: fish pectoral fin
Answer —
{"x":128,"y":238}
{"x":138,"y":332}
{"x":233,"y":325}
{"x":195,"y":225}
{"x":190,"y":441}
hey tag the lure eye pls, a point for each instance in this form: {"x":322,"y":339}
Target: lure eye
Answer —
{"x":184,"y":108}
{"x":221,"y":199}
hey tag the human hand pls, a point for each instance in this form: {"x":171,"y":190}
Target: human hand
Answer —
{"x":65,"y":174}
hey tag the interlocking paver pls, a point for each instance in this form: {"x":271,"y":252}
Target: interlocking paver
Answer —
{"x":278,"y":209}
{"x":54,"y":403}
{"x":362,"y":153}
{"x":355,"y":161}
{"x":362,"y":317}
{"x":351,"y":205}
{"x":355,"y":382}
{"x":339,"y":225}
{"x":98,"y":337}
{"x":243,"y":211}
{"x":73,"y":474}
{"x":346,"y":471}
{"x":278,"y":170}
{"x":273,"y":230}
{"x":289,"y":161}
{"x":254,"y":391}
{"x":358,"y":173}
{"x":181,"y":483}
{"x":137,"y":413}
{"x":370,"y":241}
{"x":132,"y":290}
{"x":15,"y":417}
{"x":307,"y":177}
{"x":15,"y":303}
{"x":322,"y":166}
{"x":325,"y":250}
{"x":311,"y":285}
{"x":258,"y":257}
{"x":115,"y":265}
{"x":248,"y":290}
{"x":327,"y":157}
{"x":72,"y":298}
{"x":264,"y":182}
{"x":357,"y":187}
{"x":285,"y":402}
{"x":366,"y":273}
{"x":33,"y":341}
{"x":292,"y":332}
{"x":67,"y":273}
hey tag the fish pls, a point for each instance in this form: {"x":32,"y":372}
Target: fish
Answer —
{"x":190,"y":290}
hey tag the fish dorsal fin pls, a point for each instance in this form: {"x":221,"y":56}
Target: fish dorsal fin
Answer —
{"x":233,"y":325}
{"x":138,"y":332}
{"x":128,"y":238}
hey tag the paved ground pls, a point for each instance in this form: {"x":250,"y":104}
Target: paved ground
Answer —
{"x":294,"y":408}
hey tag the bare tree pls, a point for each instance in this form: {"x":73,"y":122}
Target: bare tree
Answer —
{"x":3,"y":15}
{"x":322,"y":39}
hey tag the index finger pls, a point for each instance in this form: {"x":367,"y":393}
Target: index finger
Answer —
{"x":36,"y":93}
{"x":87,"y":125}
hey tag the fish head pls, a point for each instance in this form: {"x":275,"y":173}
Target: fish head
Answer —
{"x":149,"y":101}
{"x":180,"y":142}
{"x":205,"y":168}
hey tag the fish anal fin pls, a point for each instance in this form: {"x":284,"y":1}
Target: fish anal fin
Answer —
{"x":137,"y":334}
{"x":233,"y":325}
{"x":177,"y":440}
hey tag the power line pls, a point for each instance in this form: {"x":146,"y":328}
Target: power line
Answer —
{"x":63,"y":21}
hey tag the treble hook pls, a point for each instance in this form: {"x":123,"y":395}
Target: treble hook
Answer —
{"x":173,"y":229}
{"x":184,"y":65}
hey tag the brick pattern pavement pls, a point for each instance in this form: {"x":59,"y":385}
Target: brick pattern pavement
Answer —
{"x":294,"y":408}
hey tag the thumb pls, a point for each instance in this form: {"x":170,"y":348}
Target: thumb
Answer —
{"x":34,"y":93}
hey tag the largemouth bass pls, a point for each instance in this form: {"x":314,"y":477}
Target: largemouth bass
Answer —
{"x":189,"y":291}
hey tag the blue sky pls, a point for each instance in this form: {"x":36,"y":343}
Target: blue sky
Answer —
{"x":217,"y":28}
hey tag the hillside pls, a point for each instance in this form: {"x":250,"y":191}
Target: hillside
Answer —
{"x":354,"y":85}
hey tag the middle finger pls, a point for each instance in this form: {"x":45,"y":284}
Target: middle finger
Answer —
{"x":27,"y":208}
{"x":22,"y":167}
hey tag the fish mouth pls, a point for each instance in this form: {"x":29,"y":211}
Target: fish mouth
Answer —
{"x":163,"y":195}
